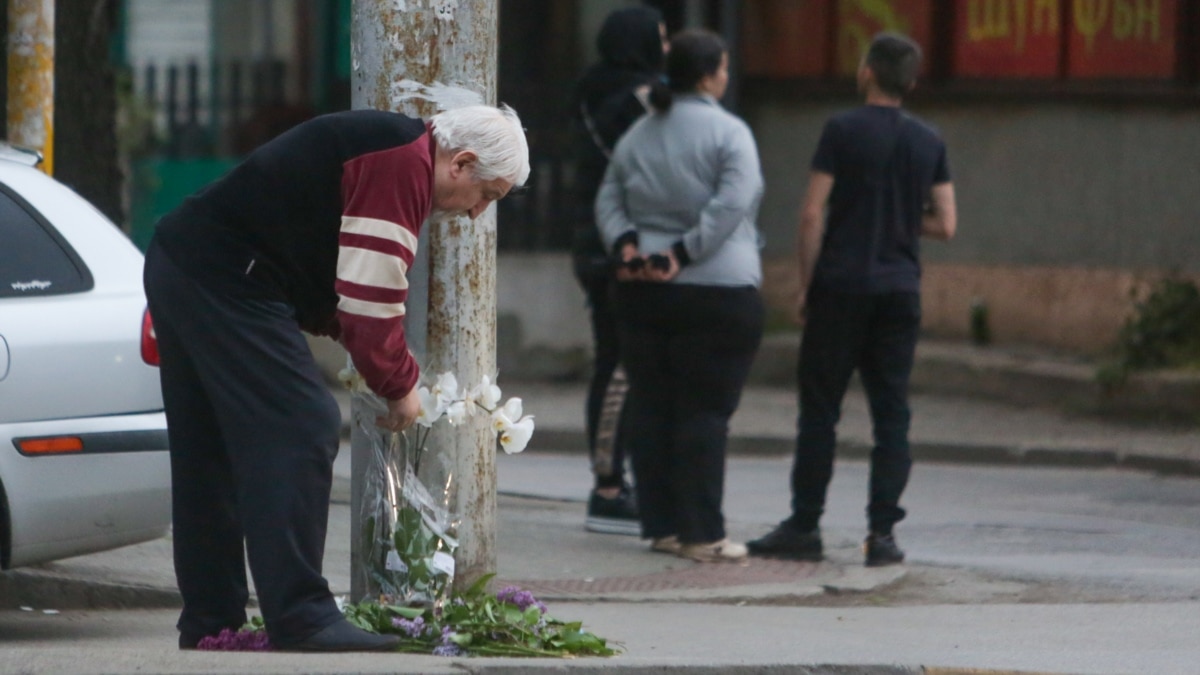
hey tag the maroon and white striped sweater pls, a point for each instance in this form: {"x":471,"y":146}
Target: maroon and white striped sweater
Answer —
{"x":324,"y":217}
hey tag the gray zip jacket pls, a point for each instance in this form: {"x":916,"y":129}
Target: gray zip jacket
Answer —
{"x":689,"y":175}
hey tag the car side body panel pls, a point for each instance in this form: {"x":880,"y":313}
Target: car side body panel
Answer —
{"x":65,"y":505}
{"x":74,"y":368}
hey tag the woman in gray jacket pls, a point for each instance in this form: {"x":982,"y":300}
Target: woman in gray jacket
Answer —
{"x":677,"y":210}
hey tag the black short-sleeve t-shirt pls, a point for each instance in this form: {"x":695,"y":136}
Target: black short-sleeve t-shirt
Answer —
{"x":884,"y":163}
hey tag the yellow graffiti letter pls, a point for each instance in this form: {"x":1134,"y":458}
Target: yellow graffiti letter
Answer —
{"x":1148,"y":14}
{"x":1122,"y":19}
{"x":1090,"y":17}
{"x":987,"y":19}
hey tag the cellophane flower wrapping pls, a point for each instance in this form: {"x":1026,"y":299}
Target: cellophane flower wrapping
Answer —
{"x":408,"y":540}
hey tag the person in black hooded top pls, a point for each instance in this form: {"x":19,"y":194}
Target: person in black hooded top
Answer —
{"x":609,"y":97}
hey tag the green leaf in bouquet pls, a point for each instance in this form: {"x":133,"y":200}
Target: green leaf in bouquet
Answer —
{"x":512,"y":615}
{"x":406,"y":612}
{"x":533,"y":614}
{"x":368,"y":616}
{"x":479,"y":588}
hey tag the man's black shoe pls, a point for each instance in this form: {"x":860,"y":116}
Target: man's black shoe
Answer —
{"x":788,"y":543}
{"x":613,"y":515}
{"x":189,"y":641}
{"x":881,"y":550}
{"x":343,"y":636}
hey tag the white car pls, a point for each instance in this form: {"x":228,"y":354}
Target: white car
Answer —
{"x":83,"y":437}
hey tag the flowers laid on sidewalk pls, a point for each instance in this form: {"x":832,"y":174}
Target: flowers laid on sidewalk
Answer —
{"x":251,"y":637}
{"x":406,"y":548}
{"x":510,"y":622}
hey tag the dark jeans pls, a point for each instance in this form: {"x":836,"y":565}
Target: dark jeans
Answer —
{"x":877,"y":335}
{"x":688,"y":350}
{"x":253,"y":432}
{"x":607,"y":389}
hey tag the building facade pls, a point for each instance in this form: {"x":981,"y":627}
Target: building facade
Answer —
{"x":1073,"y":128}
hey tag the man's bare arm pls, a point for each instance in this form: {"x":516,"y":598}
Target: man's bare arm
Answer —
{"x":812,"y":229}
{"x":941,"y":221}
{"x":812,"y":224}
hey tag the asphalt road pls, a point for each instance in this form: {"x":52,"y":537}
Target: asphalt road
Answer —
{"x":1110,"y":534}
{"x":1027,"y":569}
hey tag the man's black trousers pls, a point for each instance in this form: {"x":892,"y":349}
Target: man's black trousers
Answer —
{"x":687,"y":350}
{"x":877,"y":335}
{"x":253,"y":432}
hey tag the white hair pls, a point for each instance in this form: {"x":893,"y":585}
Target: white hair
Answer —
{"x":495,"y":135}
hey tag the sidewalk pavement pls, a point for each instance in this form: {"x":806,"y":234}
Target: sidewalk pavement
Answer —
{"x":970,"y":404}
{"x":673,"y":615}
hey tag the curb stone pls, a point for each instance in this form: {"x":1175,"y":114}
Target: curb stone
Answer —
{"x":781,"y":669}
{"x":42,"y":591}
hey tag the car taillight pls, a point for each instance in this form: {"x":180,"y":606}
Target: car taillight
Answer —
{"x":149,"y":340}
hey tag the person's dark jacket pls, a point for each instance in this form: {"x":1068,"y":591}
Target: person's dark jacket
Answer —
{"x":605,"y":104}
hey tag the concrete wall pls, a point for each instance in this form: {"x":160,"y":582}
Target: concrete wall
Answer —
{"x":543,"y":328}
{"x":1064,"y":210}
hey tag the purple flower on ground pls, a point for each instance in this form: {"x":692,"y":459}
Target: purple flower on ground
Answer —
{"x":448,"y":650}
{"x":521,"y":598}
{"x":414,"y":628}
{"x":236,"y":641}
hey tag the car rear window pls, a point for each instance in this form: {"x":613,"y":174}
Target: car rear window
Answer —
{"x":35,"y":259}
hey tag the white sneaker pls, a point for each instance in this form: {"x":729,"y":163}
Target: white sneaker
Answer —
{"x":716,"y":551}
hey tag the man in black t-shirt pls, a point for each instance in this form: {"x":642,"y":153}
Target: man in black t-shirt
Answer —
{"x":879,"y":182}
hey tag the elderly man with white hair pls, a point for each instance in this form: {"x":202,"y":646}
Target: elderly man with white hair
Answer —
{"x":314,"y":232}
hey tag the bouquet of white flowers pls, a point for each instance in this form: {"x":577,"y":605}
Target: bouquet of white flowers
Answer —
{"x":408,"y":540}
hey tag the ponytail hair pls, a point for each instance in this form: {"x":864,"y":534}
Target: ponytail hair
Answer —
{"x":695,"y":54}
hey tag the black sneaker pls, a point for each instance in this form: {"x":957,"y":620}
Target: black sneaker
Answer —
{"x":788,"y":543}
{"x":881,"y":550}
{"x":616,"y":515}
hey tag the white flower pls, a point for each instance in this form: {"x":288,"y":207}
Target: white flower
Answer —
{"x":456,"y":413}
{"x":486,"y":396}
{"x":446,"y":388}
{"x":431,"y":407}
{"x":506,"y":416}
{"x":517,"y":435}
{"x":512,"y":408}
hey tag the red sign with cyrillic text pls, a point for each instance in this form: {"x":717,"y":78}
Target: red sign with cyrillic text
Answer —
{"x":1123,"y":38}
{"x":1007,"y":38}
